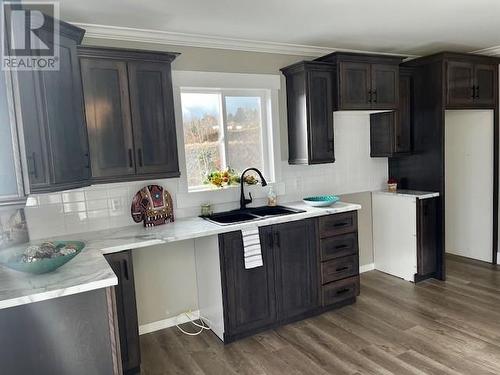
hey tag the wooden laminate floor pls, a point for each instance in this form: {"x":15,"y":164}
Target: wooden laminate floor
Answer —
{"x":395,"y":327}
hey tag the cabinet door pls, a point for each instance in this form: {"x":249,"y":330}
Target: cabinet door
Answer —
{"x":54,"y":129}
{"x":320,"y":117}
{"x":384,"y":86}
{"x":486,"y":84}
{"x":35,"y":131}
{"x":355,"y":85}
{"x":427,"y":236}
{"x":402,"y":125}
{"x":296,"y":268}
{"x":249,"y":294}
{"x":382,"y":134}
{"x":63,"y":107}
{"x":107,"y":108}
{"x":153,"y":118}
{"x":126,"y":307}
{"x":460,"y":80}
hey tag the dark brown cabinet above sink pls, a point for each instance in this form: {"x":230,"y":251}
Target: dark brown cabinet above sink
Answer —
{"x":363,"y":81}
{"x":130,"y":113}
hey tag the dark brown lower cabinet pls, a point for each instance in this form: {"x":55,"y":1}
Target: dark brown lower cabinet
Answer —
{"x":295,"y":256}
{"x":288,"y":286}
{"x":249,"y":296}
{"x":126,"y":310}
{"x":427,"y":238}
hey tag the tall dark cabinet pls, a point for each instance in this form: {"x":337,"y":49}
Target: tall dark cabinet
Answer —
{"x":310,"y":112}
{"x":126,"y":311}
{"x":440,"y":82}
{"x":55,"y":135}
{"x":130,"y":113}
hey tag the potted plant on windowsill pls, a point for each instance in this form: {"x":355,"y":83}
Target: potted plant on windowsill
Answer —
{"x":227,"y":177}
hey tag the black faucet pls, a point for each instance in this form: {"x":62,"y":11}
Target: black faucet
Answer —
{"x":244,"y":201}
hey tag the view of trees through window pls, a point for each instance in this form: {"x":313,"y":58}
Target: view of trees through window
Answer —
{"x":221,"y":130}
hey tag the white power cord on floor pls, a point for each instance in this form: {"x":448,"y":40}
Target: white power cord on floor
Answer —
{"x":202,"y":326}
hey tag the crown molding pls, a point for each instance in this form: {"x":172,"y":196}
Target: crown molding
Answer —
{"x":206,"y":41}
{"x":491,"y":51}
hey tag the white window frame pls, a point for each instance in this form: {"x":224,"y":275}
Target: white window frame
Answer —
{"x":266,"y":86}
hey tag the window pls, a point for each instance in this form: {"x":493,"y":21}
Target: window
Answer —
{"x":224,"y":128}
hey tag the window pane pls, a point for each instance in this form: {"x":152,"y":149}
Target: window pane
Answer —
{"x":244,"y":132}
{"x":201,"y":115}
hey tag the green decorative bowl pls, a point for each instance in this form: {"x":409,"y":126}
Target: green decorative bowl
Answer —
{"x":321,"y":200}
{"x":11,"y":259}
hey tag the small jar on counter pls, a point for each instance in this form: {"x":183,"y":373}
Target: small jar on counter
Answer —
{"x":206,"y":209}
{"x":272,"y":198}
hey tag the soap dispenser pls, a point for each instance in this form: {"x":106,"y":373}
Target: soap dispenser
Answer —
{"x":272,"y":198}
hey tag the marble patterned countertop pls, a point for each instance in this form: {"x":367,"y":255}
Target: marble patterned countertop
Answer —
{"x":89,"y":270}
{"x":410,"y":193}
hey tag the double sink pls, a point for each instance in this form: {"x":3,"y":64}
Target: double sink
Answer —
{"x":250,"y":214}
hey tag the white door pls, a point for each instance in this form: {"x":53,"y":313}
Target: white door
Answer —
{"x":469,"y":183}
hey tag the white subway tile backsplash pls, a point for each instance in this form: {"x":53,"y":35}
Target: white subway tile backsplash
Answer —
{"x":73,"y":196}
{"x":97,"y":204}
{"x":95,"y":194}
{"x":75,"y":207}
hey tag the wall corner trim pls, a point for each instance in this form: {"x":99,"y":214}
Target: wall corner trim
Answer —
{"x":366,"y":267}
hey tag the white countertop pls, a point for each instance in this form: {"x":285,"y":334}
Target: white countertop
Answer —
{"x":89,"y":270}
{"x":410,"y":193}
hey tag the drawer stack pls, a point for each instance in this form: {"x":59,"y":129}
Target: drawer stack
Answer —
{"x":339,"y":257}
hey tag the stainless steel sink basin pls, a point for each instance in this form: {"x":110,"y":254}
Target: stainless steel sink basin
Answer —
{"x":273,"y":211}
{"x":250,"y":214}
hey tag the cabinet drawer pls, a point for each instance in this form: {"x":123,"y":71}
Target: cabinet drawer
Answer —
{"x":339,"y":269}
{"x":333,"y":225}
{"x":339,"y":246}
{"x":339,"y":291}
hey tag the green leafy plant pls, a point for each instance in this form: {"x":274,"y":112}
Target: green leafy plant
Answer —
{"x":227,"y":177}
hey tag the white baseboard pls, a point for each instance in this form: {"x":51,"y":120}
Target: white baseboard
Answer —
{"x":167,"y":323}
{"x":367,"y":267}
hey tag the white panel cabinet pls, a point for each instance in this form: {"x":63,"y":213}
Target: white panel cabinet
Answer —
{"x":405,"y":234}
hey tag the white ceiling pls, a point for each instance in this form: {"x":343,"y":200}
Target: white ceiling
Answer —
{"x":415,"y":27}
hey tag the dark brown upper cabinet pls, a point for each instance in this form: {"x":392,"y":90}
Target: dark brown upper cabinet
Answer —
{"x":470,"y":84}
{"x":364,"y":82}
{"x":310,"y":112}
{"x":130,"y":113}
{"x":55,"y":136}
{"x":391,"y":132}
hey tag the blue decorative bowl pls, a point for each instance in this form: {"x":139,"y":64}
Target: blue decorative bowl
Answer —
{"x":12,"y":259}
{"x":321,"y":200}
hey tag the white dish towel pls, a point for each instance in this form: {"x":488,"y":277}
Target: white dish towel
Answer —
{"x":251,"y":246}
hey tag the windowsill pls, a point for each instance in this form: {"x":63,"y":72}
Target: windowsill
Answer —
{"x":207,"y":188}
